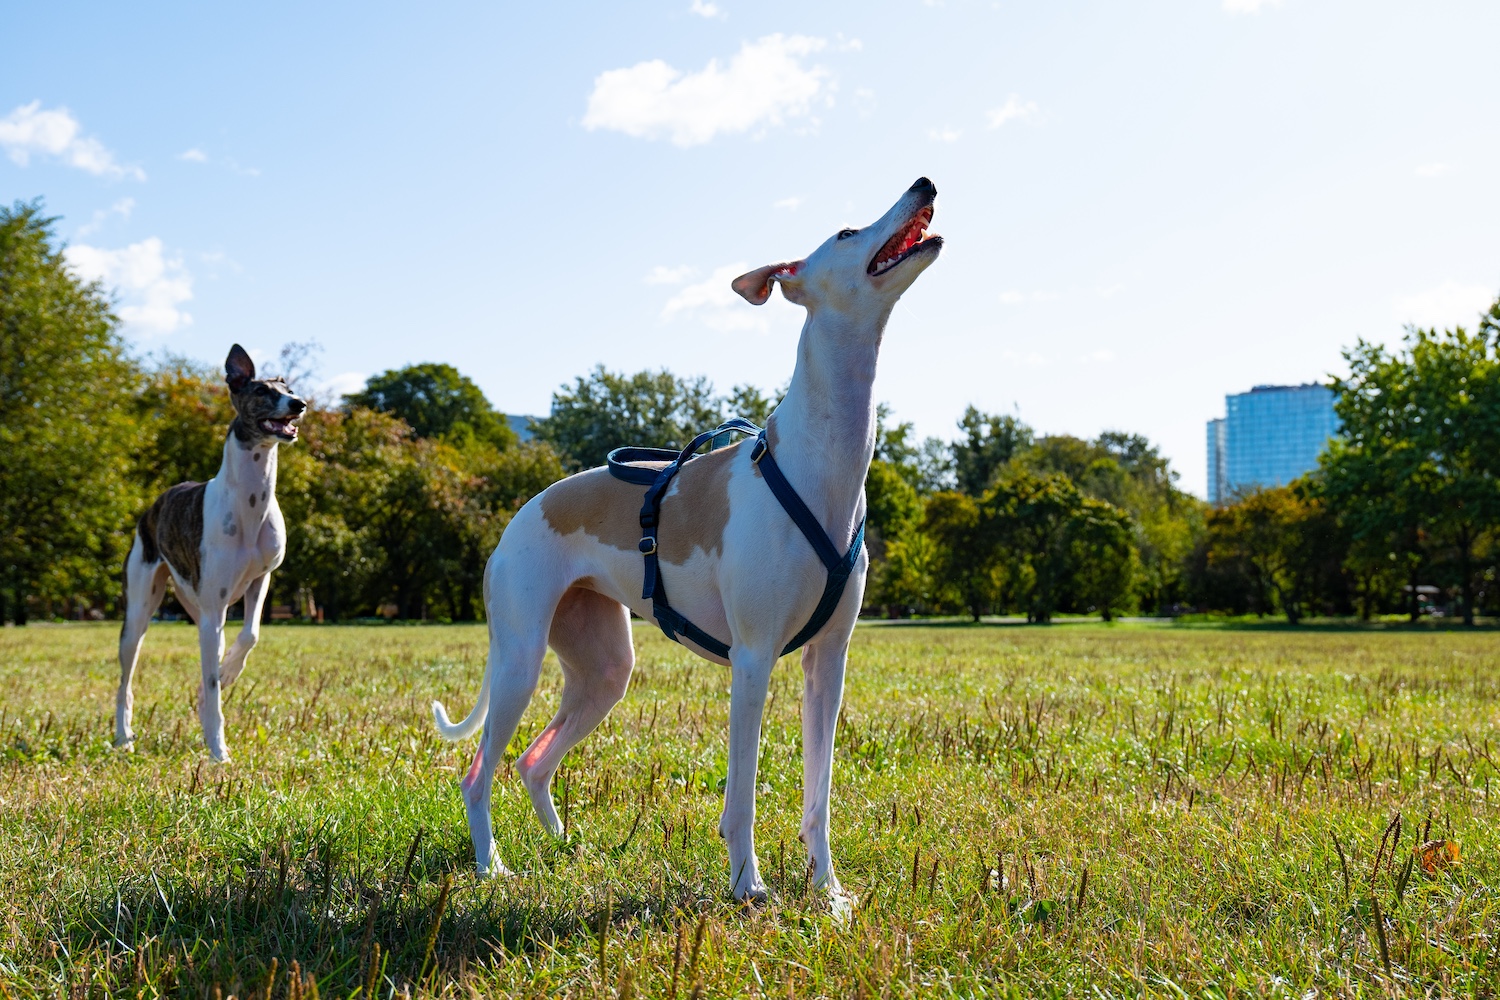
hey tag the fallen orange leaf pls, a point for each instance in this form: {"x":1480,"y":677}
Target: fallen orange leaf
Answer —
{"x":1437,"y":854}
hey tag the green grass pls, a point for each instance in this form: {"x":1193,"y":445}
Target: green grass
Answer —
{"x":1204,"y":781}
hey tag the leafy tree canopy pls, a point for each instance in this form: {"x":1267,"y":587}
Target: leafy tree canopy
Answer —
{"x":437,"y":401}
{"x":66,"y":435}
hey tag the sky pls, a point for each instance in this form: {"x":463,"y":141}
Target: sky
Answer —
{"x":1146,"y":205}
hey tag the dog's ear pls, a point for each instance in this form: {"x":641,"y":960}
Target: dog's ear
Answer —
{"x":755,"y":286}
{"x":238,"y":368}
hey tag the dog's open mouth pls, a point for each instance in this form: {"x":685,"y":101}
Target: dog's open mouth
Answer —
{"x":284,"y":428}
{"x":910,"y":239}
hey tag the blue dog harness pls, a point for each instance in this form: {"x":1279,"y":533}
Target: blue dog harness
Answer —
{"x":671,"y":622}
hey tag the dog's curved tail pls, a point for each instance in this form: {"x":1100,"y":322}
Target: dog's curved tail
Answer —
{"x":470,"y":724}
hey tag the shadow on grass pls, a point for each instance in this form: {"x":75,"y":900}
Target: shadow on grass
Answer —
{"x":427,"y":921}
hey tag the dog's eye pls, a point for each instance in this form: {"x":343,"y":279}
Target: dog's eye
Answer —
{"x":844,"y":234}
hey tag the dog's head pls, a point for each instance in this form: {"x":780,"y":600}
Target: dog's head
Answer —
{"x":858,"y":270}
{"x":265,"y":409}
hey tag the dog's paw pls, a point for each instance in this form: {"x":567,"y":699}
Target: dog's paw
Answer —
{"x":126,"y":744}
{"x":841,"y":906}
{"x":219,"y":756}
{"x":754,"y":895}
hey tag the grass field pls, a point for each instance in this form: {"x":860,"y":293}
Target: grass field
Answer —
{"x":1076,"y":810}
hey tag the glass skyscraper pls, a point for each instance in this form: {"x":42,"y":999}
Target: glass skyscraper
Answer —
{"x":1268,"y":437}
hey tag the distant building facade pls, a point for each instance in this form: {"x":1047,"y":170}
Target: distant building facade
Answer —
{"x":1268,"y":437}
{"x":1217,"y":472}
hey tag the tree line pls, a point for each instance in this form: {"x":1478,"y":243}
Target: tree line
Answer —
{"x":397,"y":493}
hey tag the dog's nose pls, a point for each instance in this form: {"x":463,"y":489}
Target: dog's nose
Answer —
{"x":296,"y":406}
{"x":924,"y":186}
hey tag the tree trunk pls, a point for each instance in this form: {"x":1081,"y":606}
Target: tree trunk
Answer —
{"x":1415,"y":608}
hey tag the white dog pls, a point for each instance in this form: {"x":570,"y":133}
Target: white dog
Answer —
{"x":219,"y":541}
{"x":568,"y":569}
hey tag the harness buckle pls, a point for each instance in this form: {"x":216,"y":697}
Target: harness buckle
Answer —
{"x":647,"y":545}
{"x":759,"y":451}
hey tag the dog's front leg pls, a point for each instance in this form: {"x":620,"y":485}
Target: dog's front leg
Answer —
{"x":747,"y":702}
{"x":210,"y":698}
{"x":255,"y":597}
{"x":822,"y":692}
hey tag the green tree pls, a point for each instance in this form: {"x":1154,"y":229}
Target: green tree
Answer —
{"x":893,"y":507}
{"x":1127,"y":471}
{"x":990,"y":441}
{"x":66,"y":437}
{"x":1033,"y":516}
{"x":1414,"y":473}
{"x":963,"y":531}
{"x":183,"y":413}
{"x":606,"y":410}
{"x":1283,"y":543}
{"x":437,"y":401}
{"x":1103,"y":559}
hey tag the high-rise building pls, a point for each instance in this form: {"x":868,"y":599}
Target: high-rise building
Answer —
{"x":1268,"y":437}
{"x":1216,"y":469}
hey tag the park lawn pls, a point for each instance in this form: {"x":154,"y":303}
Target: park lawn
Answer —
{"x":1022,"y":811}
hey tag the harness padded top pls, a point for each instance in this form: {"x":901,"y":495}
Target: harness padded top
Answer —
{"x":655,"y":469}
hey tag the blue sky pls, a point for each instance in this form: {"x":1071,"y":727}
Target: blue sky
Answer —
{"x":1146,"y":205}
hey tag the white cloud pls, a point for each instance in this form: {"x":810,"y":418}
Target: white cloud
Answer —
{"x":764,"y":84}
{"x":122,"y":208}
{"x":1101,"y":357}
{"x":714,"y":304}
{"x":194,"y":155}
{"x":1014,"y":109}
{"x":791,"y":204}
{"x":1448,"y":305}
{"x":55,"y":132}
{"x":864,"y":102}
{"x":1432,"y":169}
{"x":944,"y":134}
{"x":151,"y":285}
{"x":1249,"y":6}
{"x":705,"y":9}
{"x":663,"y":275}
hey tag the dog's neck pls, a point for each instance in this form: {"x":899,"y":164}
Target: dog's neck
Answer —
{"x":248,"y":474}
{"x":823,"y":431}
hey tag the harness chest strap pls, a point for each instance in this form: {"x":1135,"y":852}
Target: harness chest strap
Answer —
{"x":671,"y":622}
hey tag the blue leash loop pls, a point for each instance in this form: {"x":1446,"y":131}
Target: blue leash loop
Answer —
{"x":626,"y":464}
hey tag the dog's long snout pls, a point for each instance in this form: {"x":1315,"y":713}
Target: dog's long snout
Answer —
{"x":924,"y":186}
{"x":295,"y":405}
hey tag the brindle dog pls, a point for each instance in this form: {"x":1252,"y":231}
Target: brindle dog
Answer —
{"x":218,"y":541}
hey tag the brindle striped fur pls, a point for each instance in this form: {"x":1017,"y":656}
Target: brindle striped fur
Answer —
{"x":173,"y":528}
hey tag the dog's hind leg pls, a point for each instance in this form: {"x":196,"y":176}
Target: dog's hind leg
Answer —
{"x":255,"y":597}
{"x":145,"y":586}
{"x":591,"y":635}
{"x":518,"y":617}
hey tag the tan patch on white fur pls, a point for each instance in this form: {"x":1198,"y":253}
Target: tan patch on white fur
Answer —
{"x":597,"y":503}
{"x":694,"y":515}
